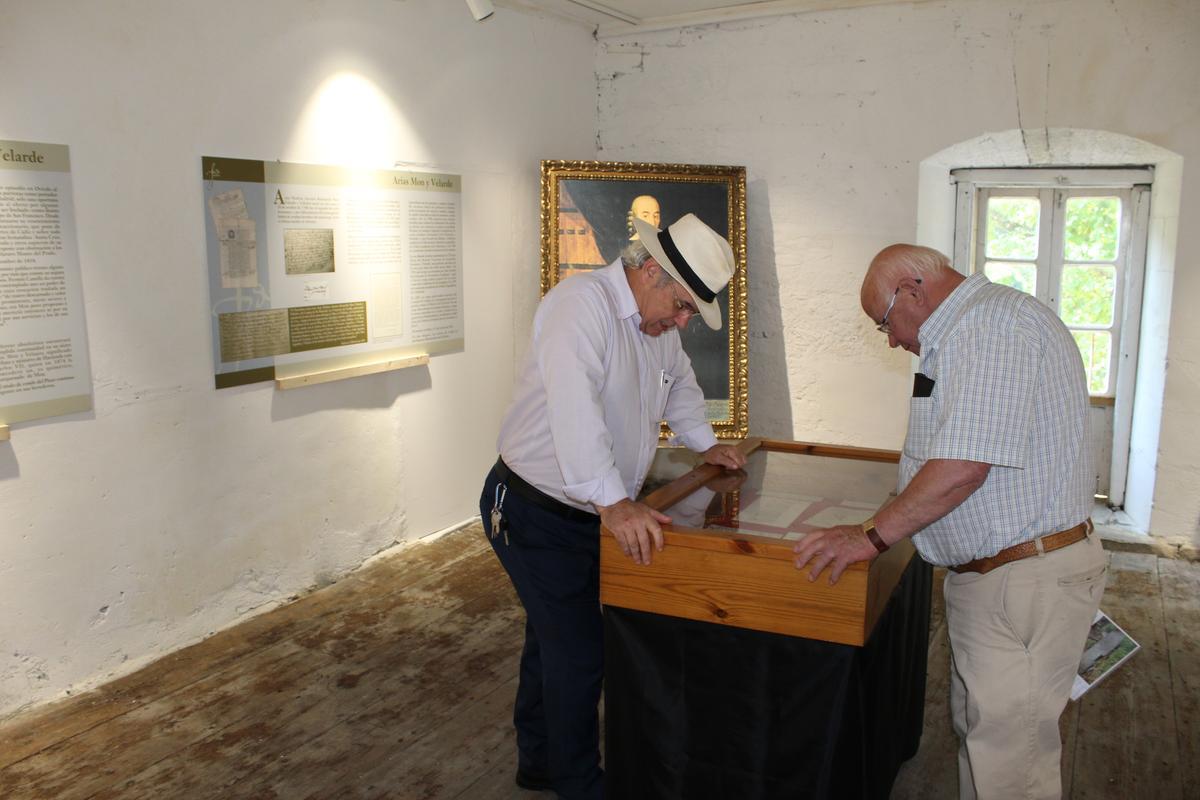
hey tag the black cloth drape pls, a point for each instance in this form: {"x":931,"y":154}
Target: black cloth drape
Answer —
{"x":695,"y":710}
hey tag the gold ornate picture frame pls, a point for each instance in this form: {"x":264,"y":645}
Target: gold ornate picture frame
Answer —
{"x":587,"y":212}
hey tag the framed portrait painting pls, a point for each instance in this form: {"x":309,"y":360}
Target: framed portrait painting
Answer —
{"x":588,"y":208}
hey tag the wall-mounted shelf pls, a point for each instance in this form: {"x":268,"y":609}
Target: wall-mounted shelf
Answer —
{"x":324,"y":376}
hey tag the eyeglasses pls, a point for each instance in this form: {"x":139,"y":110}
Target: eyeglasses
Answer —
{"x":682,"y":306}
{"x":883,"y":326}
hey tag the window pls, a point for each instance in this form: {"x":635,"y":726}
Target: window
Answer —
{"x":1068,"y":248}
{"x":1075,"y":239}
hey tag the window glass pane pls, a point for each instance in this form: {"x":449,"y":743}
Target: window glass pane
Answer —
{"x":1092,"y":228}
{"x":1089,"y":294}
{"x":1095,"y":347}
{"x":1012,"y":227}
{"x":1018,"y":276}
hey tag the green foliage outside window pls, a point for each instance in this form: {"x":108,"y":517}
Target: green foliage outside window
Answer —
{"x":1022,"y":277}
{"x":1091,"y":229}
{"x":1012,"y":227}
{"x":1094,"y":346}
{"x":1088,"y":294}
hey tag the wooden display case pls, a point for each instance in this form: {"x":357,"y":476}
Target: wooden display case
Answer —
{"x":728,"y":554}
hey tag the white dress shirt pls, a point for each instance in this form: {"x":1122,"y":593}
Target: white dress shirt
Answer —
{"x":584,"y":420}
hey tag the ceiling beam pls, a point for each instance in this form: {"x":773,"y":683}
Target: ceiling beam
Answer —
{"x":607,"y":11}
{"x":766,"y":8}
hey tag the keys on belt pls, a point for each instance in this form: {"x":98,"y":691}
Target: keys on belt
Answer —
{"x":496,"y":517}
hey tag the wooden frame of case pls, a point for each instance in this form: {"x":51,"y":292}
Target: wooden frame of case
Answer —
{"x":609,"y":187}
{"x":751,"y":581}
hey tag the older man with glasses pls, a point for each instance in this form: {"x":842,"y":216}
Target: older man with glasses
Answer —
{"x":996,"y":486}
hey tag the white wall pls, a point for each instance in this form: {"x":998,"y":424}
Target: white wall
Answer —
{"x":174,"y":509}
{"x":832,"y":114}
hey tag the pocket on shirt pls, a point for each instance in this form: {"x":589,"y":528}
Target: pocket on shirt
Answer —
{"x":663,"y":393}
{"x":921,"y":417}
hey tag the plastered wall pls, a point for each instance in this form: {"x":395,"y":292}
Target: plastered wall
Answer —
{"x":174,"y":510}
{"x":832,"y":113}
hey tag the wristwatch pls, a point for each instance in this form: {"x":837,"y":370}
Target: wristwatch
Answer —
{"x":868,"y":528}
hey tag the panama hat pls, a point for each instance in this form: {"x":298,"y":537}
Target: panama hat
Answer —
{"x":694,"y":255}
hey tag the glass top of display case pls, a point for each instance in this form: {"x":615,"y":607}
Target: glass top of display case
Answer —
{"x":786,"y":490}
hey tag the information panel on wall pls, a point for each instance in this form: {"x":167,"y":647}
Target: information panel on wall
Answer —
{"x":44,"y":369}
{"x":315,"y":268}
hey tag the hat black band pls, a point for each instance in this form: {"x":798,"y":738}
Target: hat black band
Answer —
{"x":684,"y":269}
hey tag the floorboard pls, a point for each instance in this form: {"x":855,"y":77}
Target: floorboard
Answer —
{"x":397,"y":682}
{"x":1180,"y":581}
{"x":1127,"y":744}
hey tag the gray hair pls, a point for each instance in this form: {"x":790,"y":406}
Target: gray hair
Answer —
{"x":635,"y":255}
{"x":898,"y":261}
{"x":924,"y":262}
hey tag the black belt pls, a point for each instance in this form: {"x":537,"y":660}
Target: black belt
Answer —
{"x":517,"y":484}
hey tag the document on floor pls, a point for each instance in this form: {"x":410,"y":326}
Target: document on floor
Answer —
{"x":1107,"y":648}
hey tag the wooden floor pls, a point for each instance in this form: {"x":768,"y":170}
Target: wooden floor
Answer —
{"x":398,"y":682}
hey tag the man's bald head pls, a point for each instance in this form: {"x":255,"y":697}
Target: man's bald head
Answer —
{"x":903,"y":286}
{"x":898,"y":261}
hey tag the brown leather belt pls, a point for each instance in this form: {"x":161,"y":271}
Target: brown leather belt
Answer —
{"x":1052,"y":541}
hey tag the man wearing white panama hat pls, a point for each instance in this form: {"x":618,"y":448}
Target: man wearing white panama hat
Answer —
{"x":604,"y":367}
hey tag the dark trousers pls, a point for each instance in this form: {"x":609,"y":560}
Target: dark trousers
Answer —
{"x":554,"y":564}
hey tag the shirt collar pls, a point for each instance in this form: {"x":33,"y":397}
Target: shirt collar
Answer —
{"x":614,"y":274}
{"x":942,"y":320}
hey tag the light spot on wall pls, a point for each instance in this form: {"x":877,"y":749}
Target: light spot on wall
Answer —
{"x":349,"y":121}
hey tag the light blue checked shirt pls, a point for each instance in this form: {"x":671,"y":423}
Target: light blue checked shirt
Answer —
{"x":1009,"y":390}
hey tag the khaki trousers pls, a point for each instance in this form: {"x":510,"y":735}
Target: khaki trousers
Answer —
{"x":1016,"y":637}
